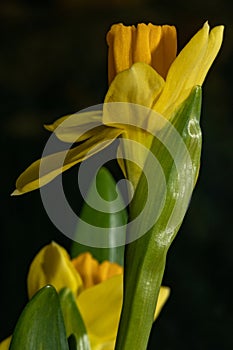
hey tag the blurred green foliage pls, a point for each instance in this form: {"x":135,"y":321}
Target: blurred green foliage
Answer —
{"x":53,"y":61}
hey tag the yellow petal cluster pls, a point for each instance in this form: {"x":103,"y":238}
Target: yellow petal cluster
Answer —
{"x":184,"y":72}
{"x":190,"y":68}
{"x":141,"y":83}
{"x":98,"y":288}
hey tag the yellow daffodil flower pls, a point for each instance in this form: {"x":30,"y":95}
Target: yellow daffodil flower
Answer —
{"x":98,"y":289}
{"x":143,"y":70}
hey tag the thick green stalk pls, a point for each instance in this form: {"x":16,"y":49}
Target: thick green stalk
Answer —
{"x":145,"y":257}
{"x":145,"y":282}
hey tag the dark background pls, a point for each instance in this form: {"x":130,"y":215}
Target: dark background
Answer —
{"x":53,"y":62}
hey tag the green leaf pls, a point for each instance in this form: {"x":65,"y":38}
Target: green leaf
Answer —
{"x":75,"y":328}
{"x":111,"y":219}
{"x":146,"y":257}
{"x":41,"y":325}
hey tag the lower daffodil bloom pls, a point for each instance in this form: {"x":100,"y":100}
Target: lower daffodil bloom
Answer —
{"x":98,"y":289}
{"x":143,"y":70}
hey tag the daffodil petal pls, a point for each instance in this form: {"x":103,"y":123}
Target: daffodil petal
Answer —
{"x":87,"y":267}
{"x":140,"y":84}
{"x":52,"y":265}
{"x":108,"y":345}
{"x":94,"y":304}
{"x":121,"y":161}
{"x":100,"y":307}
{"x":163,"y":47}
{"x":141,"y":49}
{"x":72,"y":128}
{"x":134,"y":155}
{"x":214,"y":44}
{"x":46,"y":169}
{"x":92,"y":272}
{"x":188,"y":69}
{"x":163,"y":296}
{"x":5,"y":344}
{"x":120,"y":41}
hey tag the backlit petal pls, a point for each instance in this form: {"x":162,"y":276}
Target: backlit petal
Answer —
{"x":100,"y":307}
{"x":5,"y":344}
{"x":52,"y":265}
{"x":96,"y":302}
{"x":214,"y":44}
{"x":72,"y":127}
{"x":182,"y":74}
{"x":189,"y":69}
{"x":135,"y":155}
{"x":107,"y":345}
{"x":53,"y":165}
{"x":140,"y":84}
{"x":163,"y":296}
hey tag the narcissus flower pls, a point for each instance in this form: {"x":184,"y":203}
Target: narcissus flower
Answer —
{"x":98,"y":289}
{"x":143,"y":70}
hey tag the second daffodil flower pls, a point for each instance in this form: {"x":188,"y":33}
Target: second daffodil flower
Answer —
{"x":143,"y":70}
{"x":98,"y":289}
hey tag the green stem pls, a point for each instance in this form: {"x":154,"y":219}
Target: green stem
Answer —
{"x":141,"y":289}
{"x":145,"y":258}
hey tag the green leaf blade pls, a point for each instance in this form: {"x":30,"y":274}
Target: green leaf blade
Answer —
{"x":41,"y":325}
{"x":111,"y":219}
{"x":75,"y":327}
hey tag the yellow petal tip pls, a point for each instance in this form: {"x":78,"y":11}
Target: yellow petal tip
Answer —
{"x":16,"y":193}
{"x":48,"y":127}
{"x":164,"y":294}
